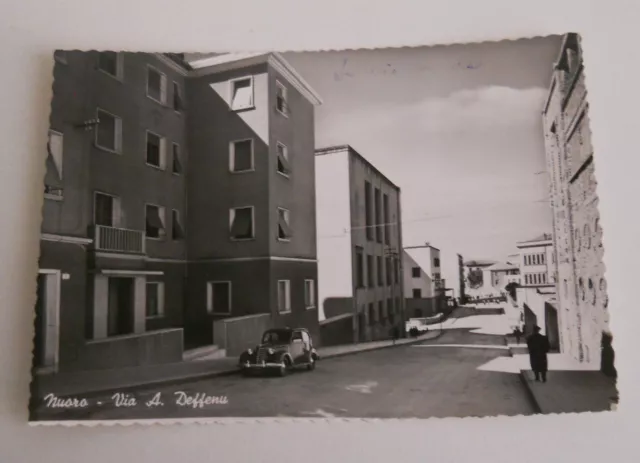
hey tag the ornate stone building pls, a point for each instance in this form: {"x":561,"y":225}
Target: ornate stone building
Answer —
{"x":577,"y":235}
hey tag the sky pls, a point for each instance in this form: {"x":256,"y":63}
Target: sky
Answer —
{"x":457,"y":128}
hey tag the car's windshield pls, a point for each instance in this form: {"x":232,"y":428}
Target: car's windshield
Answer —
{"x":277,"y":337}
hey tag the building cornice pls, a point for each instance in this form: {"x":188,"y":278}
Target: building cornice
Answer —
{"x":65,"y":239}
{"x":534,"y":244}
{"x":172,"y":64}
{"x":216,"y":64}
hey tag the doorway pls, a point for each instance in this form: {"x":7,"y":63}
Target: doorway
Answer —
{"x":551,"y":328}
{"x":46,"y":340}
{"x":121,"y":306}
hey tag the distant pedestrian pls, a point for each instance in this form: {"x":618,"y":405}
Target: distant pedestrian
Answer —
{"x":518,"y":334}
{"x":538,"y":345}
{"x":395,"y":333}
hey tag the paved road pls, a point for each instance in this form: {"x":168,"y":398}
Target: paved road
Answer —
{"x":398,"y":382}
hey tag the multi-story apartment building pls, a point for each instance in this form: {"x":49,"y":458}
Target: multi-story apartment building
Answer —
{"x":175,"y":196}
{"x":359,"y":243}
{"x":577,"y":234}
{"x":536,"y":261}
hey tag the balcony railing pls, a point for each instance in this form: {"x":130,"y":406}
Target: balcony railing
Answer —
{"x":113,"y":239}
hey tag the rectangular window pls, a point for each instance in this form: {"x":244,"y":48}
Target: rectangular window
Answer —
{"x":359,"y":267}
{"x":241,"y":156}
{"x":156,"y":150}
{"x":106,"y":210}
{"x":176,"y":167}
{"x":111,"y":63}
{"x":281,"y":99}
{"x":391,"y":311}
{"x":370,"y":272}
{"x":379,"y":271}
{"x":156,"y":85}
{"x":417,"y":293}
{"x":542,"y":259}
{"x":436,"y":276}
{"x":108,"y":132}
{"x":241,"y":93}
{"x":178,"y":103}
{"x":377,"y":212}
{"x":386,"y":219}
{"x":241,"y":223}
{"x":155,"y":299}
{"x":309,"y":294}
{"x":284,"y":224}
{"x":415,"y":272}
{"x":389,"y":271}
{"x":396,"y":271}
{"x":284,"y":296}
{"x":55,"y":149}
{"x":367,"y":210}
{"x":372,"y":315}
{"x":436,"y":262}
{"x":219,"y":297}
{"x":177,"y":231}
{"x":155,"y":221}
{"x":381,"y":314}
{"x":284,"y":166}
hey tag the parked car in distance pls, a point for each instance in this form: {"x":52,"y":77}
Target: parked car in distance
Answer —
{"x":281,"y":350}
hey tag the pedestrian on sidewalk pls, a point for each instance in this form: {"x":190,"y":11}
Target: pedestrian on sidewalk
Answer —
{"x":395,"y":333}
{"x":538,"y":345}
{"x":518,"y":334}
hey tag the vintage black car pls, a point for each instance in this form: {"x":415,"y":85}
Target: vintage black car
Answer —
{"x":281,"y":350}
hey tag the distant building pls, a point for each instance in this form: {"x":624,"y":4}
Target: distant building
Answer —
{"x":536,"y":261}
{"x":500,"y":274}
{"x":577,"y":235}
{"x":477,"y":283}
{"x":419,"y":284}
{"x":359,"y":245}
{"x":461,"y":278}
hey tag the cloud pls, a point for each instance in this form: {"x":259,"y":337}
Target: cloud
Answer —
{"x":482,"y":109}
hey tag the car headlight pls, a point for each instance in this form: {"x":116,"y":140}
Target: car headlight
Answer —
{"x":270,"y":351}
{"x":249,"y":351}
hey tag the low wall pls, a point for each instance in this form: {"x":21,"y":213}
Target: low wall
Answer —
{"x":150,"y":348}
{"x":421,"y":307}
{"x":240,"y":333}
{"x":337,"y":330}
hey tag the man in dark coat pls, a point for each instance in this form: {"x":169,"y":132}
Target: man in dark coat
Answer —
{"x":538,"y":345}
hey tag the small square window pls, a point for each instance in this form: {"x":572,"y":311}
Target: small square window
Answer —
{"x":241,"y":223}
{"x":417,"y":293}
{"x":155,"y":221}
{"x":219,"y":297}
{"x":241,"y":156}
{"x":416,"y":272}
{"x":284,"y":167}
{"x":284,"y":296}
{"x":108,"y":132}
{"x":241,"y":93}
{"x":110,"y":62}
{"x":155,"y":299}
{"x":284,"y":224}
{"x":156,"y":85}
{"x":281,"y":99}
{"x":156,"y":150}
{"x":309,"y":294}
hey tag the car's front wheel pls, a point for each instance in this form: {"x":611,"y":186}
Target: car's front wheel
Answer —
{"x":284,"y":367}
{"x":312,"y":364}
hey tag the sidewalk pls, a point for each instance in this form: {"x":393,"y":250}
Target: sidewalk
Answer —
{"x":570,"y":391}
{"x":95,"y":382}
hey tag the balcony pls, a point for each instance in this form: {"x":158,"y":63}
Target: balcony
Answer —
{"x":111,"y":239}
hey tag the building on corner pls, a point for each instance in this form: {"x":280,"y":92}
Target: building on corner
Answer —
{"x":179,"y":207}
{"x":577,"y":234}
{"x":424,"y":287}
{"x":359,"y":230}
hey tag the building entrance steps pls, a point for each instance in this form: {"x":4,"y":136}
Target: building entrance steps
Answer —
{"x":94,"y":382}
{"x":571,"y":391}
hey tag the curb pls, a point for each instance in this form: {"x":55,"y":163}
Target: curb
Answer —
{"x":214,"y":374}
{"x":530,"y":394}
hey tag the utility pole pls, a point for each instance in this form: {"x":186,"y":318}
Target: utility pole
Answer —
{"x":393,"y":256}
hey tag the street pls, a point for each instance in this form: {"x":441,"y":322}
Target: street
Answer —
{"x":398,"y":382}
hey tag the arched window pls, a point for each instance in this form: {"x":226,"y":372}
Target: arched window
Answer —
{"x":576,"y":239}
{"x":581,"y":288}
{"x":592,"y":291}
{"x":587,"y":236}
{"x":566,"y":288}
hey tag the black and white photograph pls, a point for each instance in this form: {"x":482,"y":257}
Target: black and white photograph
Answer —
{"x":376,"y":233}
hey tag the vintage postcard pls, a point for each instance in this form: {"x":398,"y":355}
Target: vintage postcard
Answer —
{"x":390,"y":233}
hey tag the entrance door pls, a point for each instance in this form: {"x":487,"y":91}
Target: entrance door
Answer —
{"x":45,"y":349}
{"x":551,"y":327}
{"x":121,"y":306}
